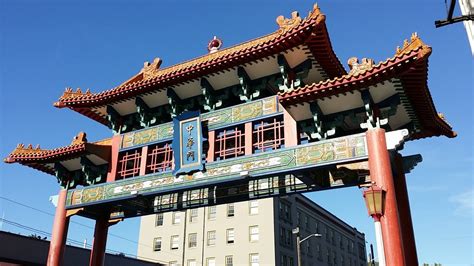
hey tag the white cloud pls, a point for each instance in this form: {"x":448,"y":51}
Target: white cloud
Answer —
{"x":464,"y":203}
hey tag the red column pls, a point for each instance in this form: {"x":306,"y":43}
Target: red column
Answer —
{"x":99,"y":243}
{"x":143,"y":161}
{"x":112,"y":173}
{"x":409,"y":245}
{"x":248,"y":138}
{"x":59,"y":234}
{"x":381,"y":174}
{"x":212,"y":142}
{"x":290,"y":129}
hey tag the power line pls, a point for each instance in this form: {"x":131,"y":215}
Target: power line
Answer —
{"x":72,"y":241}
{"x":87,"y":226}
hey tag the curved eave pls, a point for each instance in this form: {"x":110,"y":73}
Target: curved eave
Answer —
{"x":410,"y":67}
{"x":39,"y":159}
{"x":47,"y":156}
{"x":310,"y":31}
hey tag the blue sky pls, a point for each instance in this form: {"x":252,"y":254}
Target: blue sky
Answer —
{"x":49,"y":46}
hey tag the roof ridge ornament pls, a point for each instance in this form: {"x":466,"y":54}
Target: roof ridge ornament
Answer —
{"x":80,"y":138}
{"x":150,"y":70}
{"x":214,"y":45}
{"x":414,"y":43}
{"x":69,"y":93}
{"x":357,"y":68}
{"x":288,"y":23}
{"x":20,"y":149}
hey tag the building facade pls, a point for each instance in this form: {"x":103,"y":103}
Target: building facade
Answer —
{"x":256,"y":232}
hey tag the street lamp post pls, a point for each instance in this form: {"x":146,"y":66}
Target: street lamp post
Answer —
{"x":296,"y":231}
{"x":374,"y":199}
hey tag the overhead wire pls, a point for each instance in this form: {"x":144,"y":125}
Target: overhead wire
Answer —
{"x":73,"y":241}
{"x":89,"y":227}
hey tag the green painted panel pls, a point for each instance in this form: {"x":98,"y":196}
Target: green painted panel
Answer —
{"x":286,"y":160}
{"x":215,"y":119}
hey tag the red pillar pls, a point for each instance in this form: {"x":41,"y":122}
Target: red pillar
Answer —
{"x":112,"y":172}
{"x":100,"y":240}
{"x":381,"y":174}
{"x":409,"y":245}
{"x":59,"y":234}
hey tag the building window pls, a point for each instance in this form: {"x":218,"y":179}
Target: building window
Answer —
{"x":253,"y":233}
{"x":192,"y":240}
{"x":230,"y":236}
{"x":285,"y":211}
{"x":211,"y":261}
{"x":159,"y":219}
{"x":230,"y":210}
{"x":192,"y":262}
{"x":309,"y":251}
{"x":291,"y":262}
{"x":174,"y":242}
{"x":129,"y":163}
{"x":193,"y":215}
{"x":212,"y":212}
{"x":176,"y":217}
{"x":173,"y":263}
{"x":254,"y":259}
{"x":283,"y":261}
{"x":229,"y":261}
{"x":211,"y":238}
{"x":253,"y":207}
{"x":157,"y":244}
{"x":159,"y":158}
{"x":268,"y":134}
{"x":229,"y":143}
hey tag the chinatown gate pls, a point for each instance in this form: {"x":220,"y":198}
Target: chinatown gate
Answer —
{"x":269,"y":117}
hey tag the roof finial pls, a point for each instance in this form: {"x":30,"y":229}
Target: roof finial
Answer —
{"x":287,"y":23}
{"x":79,"y":138}
{"x":356,"y":67}
{"x":214,"y":45}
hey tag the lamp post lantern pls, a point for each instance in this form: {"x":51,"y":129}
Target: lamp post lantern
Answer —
{"x":374,"y":200}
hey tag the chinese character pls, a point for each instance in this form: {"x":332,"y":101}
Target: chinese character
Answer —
{"x":190,"y":154}
{"x":189,"y":129}
{"x":190,"y":142}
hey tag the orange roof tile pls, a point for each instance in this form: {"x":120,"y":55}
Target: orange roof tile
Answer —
{"x":292,"y":32}
{"x":410,"y":65}
{"x":38,"y":158}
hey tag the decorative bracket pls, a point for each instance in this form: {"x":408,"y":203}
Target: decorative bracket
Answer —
{"x":175,"y":102}
{"x":211,"y":100}
{"x":395,"y":139}
{"x":114,"y":118}
{"x":409,"y":162}
{"x":319,"y":129}
{"x":145,"y":113}
{"x":286,"y":84}
{"x":93,"y":174}
{"x":301,"y":72}
{"x":247,"y":92}
{"x":372,"y":112}
{"x":63,"y":176}
{"x":292,"y":77}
